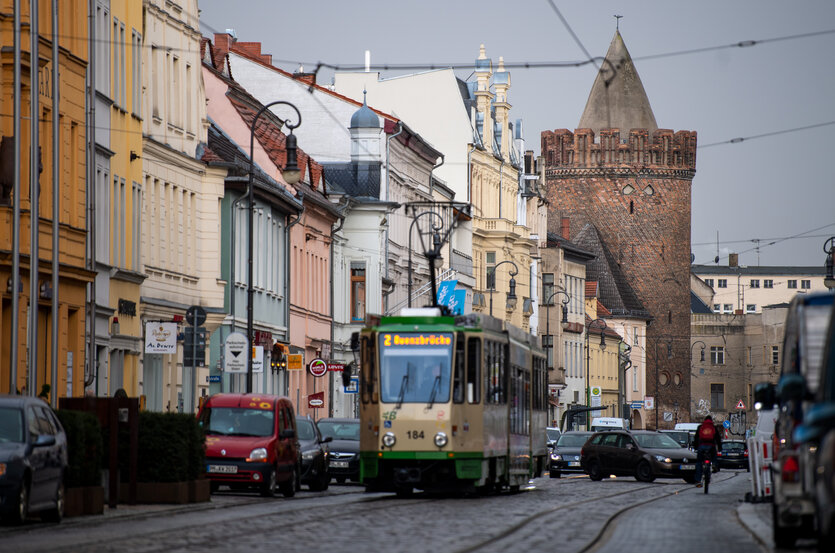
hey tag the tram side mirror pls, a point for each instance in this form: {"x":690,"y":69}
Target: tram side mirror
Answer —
{"x":764,"y":395}
{"x":347,"y":373}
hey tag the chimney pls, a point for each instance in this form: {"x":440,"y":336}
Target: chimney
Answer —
{"x":307,"y":78}
{"x":565,"y":228}
{"x":224,"y":41}
{"x":733,"y":260}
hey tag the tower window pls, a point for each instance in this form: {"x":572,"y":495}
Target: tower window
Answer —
{"x":628,"y":189}
{"x":631,"y":207}
{"x":649,"y":190}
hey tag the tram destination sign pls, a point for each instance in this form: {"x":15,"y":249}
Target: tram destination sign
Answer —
{"x":394,"y":340}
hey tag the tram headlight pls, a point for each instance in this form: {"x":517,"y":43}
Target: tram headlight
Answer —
{"x":441,"y":439}
{"x":389,"y":439}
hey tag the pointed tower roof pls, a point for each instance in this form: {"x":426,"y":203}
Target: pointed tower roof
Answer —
{"x":621,"y":102}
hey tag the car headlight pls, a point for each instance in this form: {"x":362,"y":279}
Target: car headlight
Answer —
{"x":309,"y":455}
{"x":258,"y":454}
{"x":389,"y":439}
{"x":441,"y":439}
{"x":556,"y":456}
{"x":662,"y":459}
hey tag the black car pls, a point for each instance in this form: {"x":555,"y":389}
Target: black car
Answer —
{"x":644,"y":454}
{"x":733,"y":455}
{"x":314,"y":454}
{"x":565,"y":457}
{"x":344,"y":457}
{"x":33,"y":460}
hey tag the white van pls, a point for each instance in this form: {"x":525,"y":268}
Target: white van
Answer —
{"x":689,"y":426}
{"x":608,"y":423}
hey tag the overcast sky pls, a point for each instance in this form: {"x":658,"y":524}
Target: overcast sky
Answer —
{"x":776,"y":188}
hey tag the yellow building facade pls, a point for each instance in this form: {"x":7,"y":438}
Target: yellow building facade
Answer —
{"x":35,"y":349}
{"x":117,"y":61}
{"x":501,"y":246}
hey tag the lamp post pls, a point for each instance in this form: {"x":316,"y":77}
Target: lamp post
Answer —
{"x":436,"y":228}
{"x":657,"y":392}
{"x":563,"y":322}
{"x":291,"y":176}
{"x":588,"y":355}
{"x":702,"y":352}
{"x":829,"y":249}
{"x":511,"y":294}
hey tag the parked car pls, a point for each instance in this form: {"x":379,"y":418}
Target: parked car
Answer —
{"x":344,"y":458}
{"x":734,"y":455}
{"x":552,"y":435}
{"x":251,"y":442}
{"x":315,"y":452}
{"x":793,"y":506}
{"x":33,"y":460}
{"x":819,"y":428}
{"x":683,"y":437}
{"x":644,"y":454}
{"x":565,"y":456}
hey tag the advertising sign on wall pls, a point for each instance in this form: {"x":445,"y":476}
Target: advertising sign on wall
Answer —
{"x":160,"y":337}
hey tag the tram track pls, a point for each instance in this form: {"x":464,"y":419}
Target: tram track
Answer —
{"x":605,"y":529}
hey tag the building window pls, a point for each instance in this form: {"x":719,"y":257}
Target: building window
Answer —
{"x":755,"y":283}
{"x":751,"y":308}
{"x":116,"y":58}
{"x":792,"y":284}
{"x":717,"y":355}
{"x":634,"y":379}
{"x":768,"y":283}
{"x":136,"y":73}
{"x":635,"y":338}
{"x":717,"y":396}
{"x":750,"y":356}
{"x":357,"y":291}
{"x":727,"y":308}
{"x":775,"y":355}
{"x":717,"y":308}
{"x":709,"y":282}
{"x":722,"y":283}
{"x":547,"y":289}
{"x":491,"y":270}
{"x":805,"y":284}
{"x":548,"y":346}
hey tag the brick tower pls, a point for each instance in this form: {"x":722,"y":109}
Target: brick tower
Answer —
{"x":619,"y":172}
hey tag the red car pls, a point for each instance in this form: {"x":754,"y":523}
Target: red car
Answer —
{"x":251,"y":442}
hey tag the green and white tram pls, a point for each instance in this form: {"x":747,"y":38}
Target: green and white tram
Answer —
{"x":450,"y":403}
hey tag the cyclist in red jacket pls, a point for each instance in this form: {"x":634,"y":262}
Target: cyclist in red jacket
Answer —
{"x":708,"y":441}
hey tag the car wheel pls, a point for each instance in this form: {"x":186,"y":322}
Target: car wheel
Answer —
{"x":288,"y":487}
{"x":784,"y":538}
{"x":643,"y":473}
{"x":56,"y":514}
{"x":21,"y":510}
{"x":594,"y":471}
{"x":268,"y":489}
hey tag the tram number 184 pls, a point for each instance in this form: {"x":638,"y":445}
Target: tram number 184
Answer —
{"x":415,"y":434}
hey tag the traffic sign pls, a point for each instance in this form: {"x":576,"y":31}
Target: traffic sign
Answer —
{"x":726,"y":424}
{"x":195,"y":315}
{"x":637,"y":404}
{"x":213,"y":378}
{"x":234,"y":353}
{"x":740,"y":405}
{"x":649,"y":402}
{"x":354,"y":388}
{"x":318,"y":367}
{"x":595,"y":391}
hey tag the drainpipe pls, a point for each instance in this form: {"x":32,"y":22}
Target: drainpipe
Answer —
{"x":34,"y":199}
{"x":333,"y":234}
{"x":289,"y":225}
{"x":388,"y":180}
{"x":470,"y":174}
{"x":56,"y":213}
{"x":93,"y":376}
{"x":432,"y":171}
{"x":13,"y":361}
{"x":501,"y":175}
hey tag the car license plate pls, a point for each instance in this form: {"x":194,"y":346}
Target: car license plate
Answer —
{"x":339,"y":464}
{"x":225,"y":469}
{"x":687,"y":467}
{"x":574,"y":464}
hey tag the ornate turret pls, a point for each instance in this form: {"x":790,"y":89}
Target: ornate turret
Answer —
{"x":365,"y":134}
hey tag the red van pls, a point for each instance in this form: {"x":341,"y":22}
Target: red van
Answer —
{"x":251,"y":442}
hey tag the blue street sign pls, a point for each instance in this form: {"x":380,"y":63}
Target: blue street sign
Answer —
{"x":445,"y":289}
{"x":637,"y":404}
{"x":214,"y":378}
{"x":726,"y":424}
{"x":456,"y":302}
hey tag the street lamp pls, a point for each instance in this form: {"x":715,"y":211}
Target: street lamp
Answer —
{"x":829,"y":248}
{"x":702,"y":358}
{"x":657,"y":392}
{"x":511,"y":294}
{"x":588,"y":355}
{"x":436,"y":238}
{"x":291,"y":174}
{"x":563,"y":322}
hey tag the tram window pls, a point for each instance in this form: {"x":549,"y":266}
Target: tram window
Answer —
{"x":458,"y":374}
{"x":473,"y":370}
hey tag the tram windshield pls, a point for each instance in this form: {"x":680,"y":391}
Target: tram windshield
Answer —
{"x":415,"y":367}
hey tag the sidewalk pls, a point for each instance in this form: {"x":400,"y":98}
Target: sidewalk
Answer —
{"x":125,"y":511}
{"x":756,"y":517}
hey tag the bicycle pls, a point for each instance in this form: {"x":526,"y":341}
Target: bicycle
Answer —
{"x":707,"y":469}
